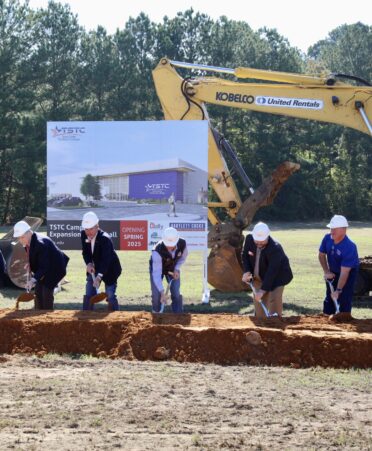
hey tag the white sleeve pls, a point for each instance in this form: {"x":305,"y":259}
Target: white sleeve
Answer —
{"x":157,"y":269}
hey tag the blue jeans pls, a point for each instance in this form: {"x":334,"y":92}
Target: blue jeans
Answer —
{"x":91,"y":291}
{"x":177,"y":302}
{"x":345,"y":298}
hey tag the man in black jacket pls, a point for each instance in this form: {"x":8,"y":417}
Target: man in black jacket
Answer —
{"x":102,"y":262}
{"x":265,"y":262}
{"x":46,"y":263}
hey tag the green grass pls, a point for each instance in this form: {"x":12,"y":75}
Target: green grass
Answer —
{"x":304,"y":295}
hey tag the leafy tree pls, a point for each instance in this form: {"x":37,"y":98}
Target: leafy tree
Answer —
{"x":95,"y":74}
{"x":16,"y":105}
{"x":90,"y":187}
{"x":56,"y":36}
{"x":133,"y":95}
{"x":347,"y":50}
{"x":185,"y":37}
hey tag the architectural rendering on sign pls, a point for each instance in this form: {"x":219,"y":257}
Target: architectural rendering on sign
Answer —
{"x":138,"y":177}
{"x":149,"y":184}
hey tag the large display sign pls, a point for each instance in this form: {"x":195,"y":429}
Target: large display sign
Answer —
{"x":138,"y":177}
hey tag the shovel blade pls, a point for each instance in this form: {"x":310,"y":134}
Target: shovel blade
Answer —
{"x":98,"y":298}
{"x":24,"y":297}
{"x":341,"y":317}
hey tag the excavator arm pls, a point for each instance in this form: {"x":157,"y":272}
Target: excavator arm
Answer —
{"x":326,"y":99}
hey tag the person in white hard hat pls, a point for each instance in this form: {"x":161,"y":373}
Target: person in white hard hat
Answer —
{"x":47,"y":264}
{"x":167,"y":257}
{"x":102,"y":262}
{"x":266,"y":264}
{"x":338,"y":257}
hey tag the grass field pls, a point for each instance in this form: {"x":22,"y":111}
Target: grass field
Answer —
{"x":304,"y":295}
{"x":80,"y":402}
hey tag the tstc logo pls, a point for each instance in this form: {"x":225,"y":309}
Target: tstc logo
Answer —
{"x":69,"y":133}
{"x":156,"y":187}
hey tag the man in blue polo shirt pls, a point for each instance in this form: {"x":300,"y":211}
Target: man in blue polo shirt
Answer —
{"x":338,"y":256}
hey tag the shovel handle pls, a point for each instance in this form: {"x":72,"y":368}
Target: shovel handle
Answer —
{"x":162,"y":306}
{"x":168,"y":287}
{"x":254,"y":291}
{"x":27,"y":280}
{"x":264,"y":308}
{"x":94,"y":279}
{"x":332,"y":289}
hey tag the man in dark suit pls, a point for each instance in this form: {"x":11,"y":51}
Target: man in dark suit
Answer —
{"x":265,"y":262}
{"x":102,"y":262}
{"x":46,"y":263}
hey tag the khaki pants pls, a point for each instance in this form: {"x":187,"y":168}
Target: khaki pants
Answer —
{"x":273,"y":301}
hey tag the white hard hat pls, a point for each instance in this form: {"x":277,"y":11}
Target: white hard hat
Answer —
{"x":260,"y":231}
{"x":90,"y":219}
{"x":20,"y":229}
{"x":170,"y":237}
{"x":338,"y":221}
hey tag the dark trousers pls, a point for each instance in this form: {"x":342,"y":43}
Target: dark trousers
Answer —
{"x":44,"y":297}
{"x":176,"y":296}
{"x":2,"y":279}
{"x":91,"y":291}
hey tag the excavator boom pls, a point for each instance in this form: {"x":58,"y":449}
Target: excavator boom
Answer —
{"x":324,"y":98}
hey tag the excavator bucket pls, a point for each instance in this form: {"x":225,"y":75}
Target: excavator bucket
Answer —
{"x":224,"y":269}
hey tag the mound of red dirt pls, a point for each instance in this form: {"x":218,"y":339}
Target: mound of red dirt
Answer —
{"x":300,"y":341}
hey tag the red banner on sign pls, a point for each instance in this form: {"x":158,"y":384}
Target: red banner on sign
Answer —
{"x":133,"y":235}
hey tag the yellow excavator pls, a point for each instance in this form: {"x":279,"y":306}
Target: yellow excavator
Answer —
{"x":330,"y":98}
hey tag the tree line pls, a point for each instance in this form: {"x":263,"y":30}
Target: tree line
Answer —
{"x":52,"y":69}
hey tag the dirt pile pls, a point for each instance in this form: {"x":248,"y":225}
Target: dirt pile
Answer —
{"x":224,"y":339}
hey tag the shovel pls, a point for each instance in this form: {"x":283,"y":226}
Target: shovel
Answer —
{"x":163,"y":304}
{"x":337,"y":306}
{"x":264,"y":308}
{"x":97,"y":297}
{"x":25,"y":297}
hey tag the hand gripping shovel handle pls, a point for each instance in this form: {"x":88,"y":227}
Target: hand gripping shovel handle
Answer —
{"x":25,"y":297}
{"x":99,"y":296}
{"x":332,"y":291}
{"x":264,"y":308}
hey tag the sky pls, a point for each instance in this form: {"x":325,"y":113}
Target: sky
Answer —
{"x":302,"y":23}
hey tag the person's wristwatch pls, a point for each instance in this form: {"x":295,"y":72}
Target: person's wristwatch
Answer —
{"x":339,"y":290}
